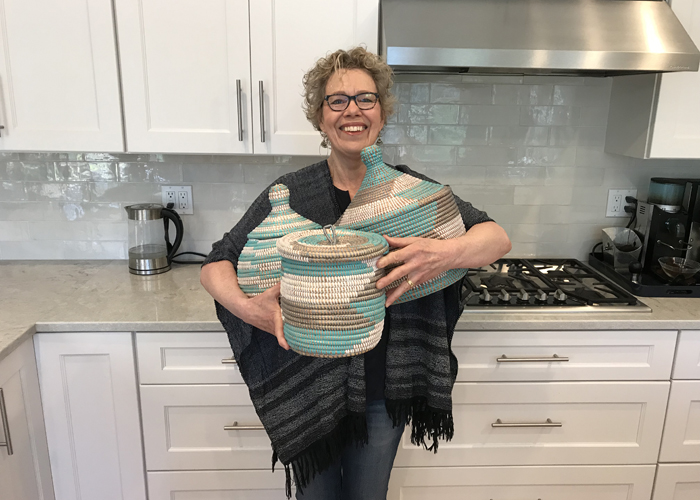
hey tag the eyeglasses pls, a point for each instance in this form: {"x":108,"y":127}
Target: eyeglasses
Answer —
{"x":340,"y":102}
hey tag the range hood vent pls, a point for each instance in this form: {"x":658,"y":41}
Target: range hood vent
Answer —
{"x":570,"y":37}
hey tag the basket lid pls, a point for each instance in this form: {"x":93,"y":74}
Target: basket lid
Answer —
{"x":315,"y":246}
{"x":282,"y":219}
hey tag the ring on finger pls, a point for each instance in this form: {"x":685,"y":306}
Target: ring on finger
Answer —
{"x":410,"y":283}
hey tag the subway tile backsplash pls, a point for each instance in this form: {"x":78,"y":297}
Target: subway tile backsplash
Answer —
{"x":527,"y":150}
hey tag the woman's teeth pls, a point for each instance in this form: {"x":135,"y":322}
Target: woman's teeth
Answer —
{"x":353,"y":129}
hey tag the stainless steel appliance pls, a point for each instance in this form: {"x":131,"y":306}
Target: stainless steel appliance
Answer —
{"x":150,"y":249}
{"x":590,"y":37}
{"x":544,"y":285}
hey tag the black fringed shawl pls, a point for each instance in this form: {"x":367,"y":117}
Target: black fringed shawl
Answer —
{"x":313,"y":407}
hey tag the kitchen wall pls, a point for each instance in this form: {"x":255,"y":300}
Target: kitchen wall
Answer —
{"x":528,"y":150}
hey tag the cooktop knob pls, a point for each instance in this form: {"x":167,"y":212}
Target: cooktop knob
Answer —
{"x":504,"y":296}
{"x":559,"y":296}
{"x":541,"y":296}
{"x":485,"y":296}
{"x":523,"y":296}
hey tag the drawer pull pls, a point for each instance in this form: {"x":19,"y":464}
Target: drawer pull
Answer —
{"x":228,"y":361}
{"x":548,"y":423}
{"x":236,"y":427}
{"x":531,"y":359}
{"x":5,"y":424}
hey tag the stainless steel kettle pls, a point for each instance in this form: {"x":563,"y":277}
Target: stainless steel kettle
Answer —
{"x":150,"y":250}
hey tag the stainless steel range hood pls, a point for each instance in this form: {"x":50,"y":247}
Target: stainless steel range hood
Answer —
{"x":592,"y":37}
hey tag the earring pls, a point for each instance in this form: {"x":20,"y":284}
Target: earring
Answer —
{"x":324,"y":141}
{"x":379,"y":138}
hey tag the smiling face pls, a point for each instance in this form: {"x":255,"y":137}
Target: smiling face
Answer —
{"x":352,"y":130}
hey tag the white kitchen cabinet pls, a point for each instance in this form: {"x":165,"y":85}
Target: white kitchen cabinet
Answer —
{"x":677,"y":482}
{"x":185,"y":75}
{"x":90,"y":398}
{"x":564,"y":355}
{"x":519,"y":483}
{"x":287,"y":37}
{"x":58,"y":76}
{"x":656,"y":116}
{"x":217,"y":485}
{"x":186,"y":358}
{"x":183,"y":64}
{"x":549,"y":423}
{"x":681,"y":441}
{"x":202,"y":427}
{"x":687,"y":365}
{"x":25,"y":473}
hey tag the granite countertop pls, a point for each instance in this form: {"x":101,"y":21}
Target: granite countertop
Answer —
{"x":71,"y":296}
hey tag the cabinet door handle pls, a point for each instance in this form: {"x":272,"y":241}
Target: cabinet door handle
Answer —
{"x":2,"y":127}
{"x":236,"y":427}
{"x":547,"y":423}
{"x":262,"y":111}
{"x":5,"y":424}
{"x":531,"y":359}
{"x":240,"y":116}
{"x":228,"y":361}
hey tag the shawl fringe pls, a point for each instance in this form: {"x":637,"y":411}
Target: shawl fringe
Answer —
{"x":425,"y":422}
{"x":317,"y":457}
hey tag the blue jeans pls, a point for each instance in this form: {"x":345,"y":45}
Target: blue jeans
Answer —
{"x":362,"y":473}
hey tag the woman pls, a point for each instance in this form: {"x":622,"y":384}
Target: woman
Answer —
{"x":337,"y":422}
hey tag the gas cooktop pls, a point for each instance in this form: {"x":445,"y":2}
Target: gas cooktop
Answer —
{"x":544,"y":285}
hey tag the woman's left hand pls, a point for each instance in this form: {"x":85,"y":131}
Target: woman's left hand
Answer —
{"x":422,"y":258}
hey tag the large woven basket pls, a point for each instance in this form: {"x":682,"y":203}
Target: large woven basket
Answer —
{"x":259,"y":265}
{"x":395,"y":204}
{"x":330,"y":303}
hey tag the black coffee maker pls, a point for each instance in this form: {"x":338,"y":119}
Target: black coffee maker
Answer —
{"x":669,"y":222}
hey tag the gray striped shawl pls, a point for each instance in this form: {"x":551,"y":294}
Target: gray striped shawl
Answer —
{"x":312,"y":407}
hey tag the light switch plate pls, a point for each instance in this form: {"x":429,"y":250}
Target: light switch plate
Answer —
{"x":616,"y":202}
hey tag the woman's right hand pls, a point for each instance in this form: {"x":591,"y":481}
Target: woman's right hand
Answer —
{"x":263,"y":312}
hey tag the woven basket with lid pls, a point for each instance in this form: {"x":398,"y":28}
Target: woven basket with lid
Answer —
{"x":330,"y":303}
{"x":395,"y":204}
{"x":259,"y":265}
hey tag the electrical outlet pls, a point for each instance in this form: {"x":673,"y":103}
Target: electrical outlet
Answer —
{"x":180,"y":197}
{"x":617,"y":203}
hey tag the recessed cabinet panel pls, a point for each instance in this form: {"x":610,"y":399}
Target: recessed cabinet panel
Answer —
{"x":186,"y":358}
{"x":677,"y":482}
{"x":58,"y":76}
{"x":185,"y":75}
{"x":681,"y":440}
{"x":184,"y":428}
{"x":283,"y":51}
{"x":564,"y":355}
{"x":687,"y":365}
{"x":550,"y":423}
{"x":518,"y":483}
{"x":217,"y":485}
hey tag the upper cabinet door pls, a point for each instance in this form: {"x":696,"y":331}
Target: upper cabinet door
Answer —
{"x":287,"y":37}
{"x":677,"y":127}
{"x":185,"y":75}
{"x":58,"y":76}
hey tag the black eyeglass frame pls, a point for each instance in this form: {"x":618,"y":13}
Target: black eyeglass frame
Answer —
{"x":352,"y":98}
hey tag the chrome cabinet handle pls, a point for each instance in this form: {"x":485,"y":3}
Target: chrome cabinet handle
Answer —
{"x":262,"y":112}
{"x":5,"y":424}
{"x":229,"y":361}
{"x":236,"y":427}
{"x":240,"y":116}
{"x":531,"y":359}
{"x":547,"y":423}
{"x":2,"y":127}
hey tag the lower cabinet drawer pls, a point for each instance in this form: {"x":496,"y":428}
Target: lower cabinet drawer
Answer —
{"x":555,"y":423}
{"x":677,"y":482}
{"x":681,"y":441}
{"x":183,"y":428}
{"x":217,"y":485}
{"x":518,"y":483}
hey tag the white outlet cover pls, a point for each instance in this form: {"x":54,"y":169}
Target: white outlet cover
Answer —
{"x":619,"y":211}
{"x":188,"y":189}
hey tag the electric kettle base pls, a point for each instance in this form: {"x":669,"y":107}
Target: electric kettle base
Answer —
{"x":148,"y":266}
